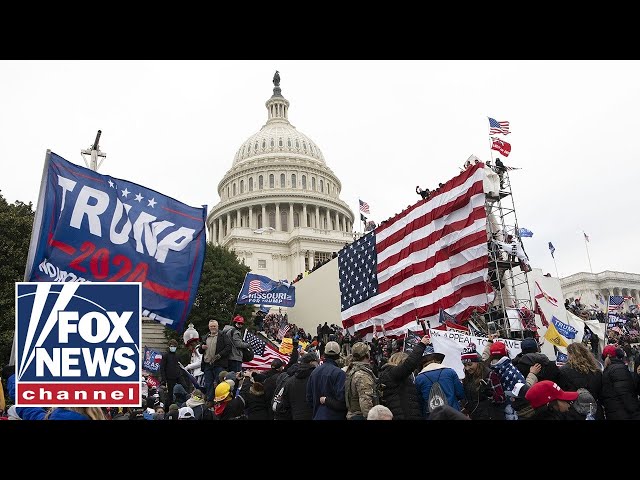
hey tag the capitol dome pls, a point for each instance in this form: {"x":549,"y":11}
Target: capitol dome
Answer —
{"x":280,"y":208}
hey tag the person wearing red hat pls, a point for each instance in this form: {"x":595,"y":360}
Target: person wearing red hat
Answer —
{"x":619,"y":396}
{"x":549,"y":401}
{"x":234,"y":332}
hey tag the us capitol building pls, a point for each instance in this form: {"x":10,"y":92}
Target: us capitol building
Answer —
{"x":280,"y":209}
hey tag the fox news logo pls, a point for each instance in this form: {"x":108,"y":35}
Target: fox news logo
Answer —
{"x":78,"y":344}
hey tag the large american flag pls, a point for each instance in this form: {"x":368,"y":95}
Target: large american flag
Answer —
{"x":364,"y":206}
{"x":615,"y":303}
{"x":432,"y":256}
{"x":263,"y":353}
{"x":498,"y":127}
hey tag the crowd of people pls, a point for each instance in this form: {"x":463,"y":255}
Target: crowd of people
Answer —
{"x":339,"y":376}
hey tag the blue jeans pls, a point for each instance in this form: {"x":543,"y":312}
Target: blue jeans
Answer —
{"x":235,"y":366}
{"x":211,"y":374}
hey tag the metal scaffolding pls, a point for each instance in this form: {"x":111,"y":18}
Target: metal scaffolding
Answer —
{"x":507,"y":273}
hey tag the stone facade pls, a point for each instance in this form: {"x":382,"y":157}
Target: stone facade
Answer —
{"x":590,"y":288}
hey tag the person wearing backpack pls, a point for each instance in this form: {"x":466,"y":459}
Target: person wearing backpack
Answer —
{"x":436,"y":384}
{"x":360,"y":384}
{"x":237,"y":344}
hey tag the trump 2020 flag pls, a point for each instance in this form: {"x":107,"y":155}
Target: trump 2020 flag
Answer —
{"x":92,"y":227}
{"x":259,"y":289}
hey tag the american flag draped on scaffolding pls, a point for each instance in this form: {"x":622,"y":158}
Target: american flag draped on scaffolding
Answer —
{"x":432,"y":256}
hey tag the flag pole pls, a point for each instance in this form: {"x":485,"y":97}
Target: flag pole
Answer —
{"x":587,"y":247}
{"x":556,"y":265}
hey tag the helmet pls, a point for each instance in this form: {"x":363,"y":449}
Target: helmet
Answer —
{"x":332,"y":348}
{"x":360,"y":350}
{"x":222,"y":391}
{"x":238,"y":319}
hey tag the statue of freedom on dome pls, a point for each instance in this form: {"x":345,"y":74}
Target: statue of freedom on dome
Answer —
{"x":276,"y":79}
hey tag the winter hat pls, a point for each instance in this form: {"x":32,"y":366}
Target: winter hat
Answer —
{"x":469,"y":354}
{"x":529,"y":345}
{"x":498,"y":348}
{"x":185,"y":413}
{"x":230,"y":376}
{"x":546,"y":391}
{"x":276,"y":363}
{"x":238,"y":319}
{"x":308,"y":358}
{"x":173,"y":406}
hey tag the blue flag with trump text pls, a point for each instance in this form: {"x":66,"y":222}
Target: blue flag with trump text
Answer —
{"x":91,"y":227}
{"x":261,"y":290}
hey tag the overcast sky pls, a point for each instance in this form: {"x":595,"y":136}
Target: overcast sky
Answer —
{"x":383,"y":127}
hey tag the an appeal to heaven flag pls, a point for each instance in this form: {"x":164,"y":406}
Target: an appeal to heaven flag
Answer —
{"x":94,"y":227}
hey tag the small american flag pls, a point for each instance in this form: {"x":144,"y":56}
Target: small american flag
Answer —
{"x":498,"y":127}
{"x":615,"y":303}
{"x":284,"y":329}
{"x":256,"y":286}
{"x":364,"y":207}
{"x":263,"y":353}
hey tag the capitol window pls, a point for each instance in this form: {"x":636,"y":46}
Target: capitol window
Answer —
{"x":272,"y":182}
{"x":264,"y":144}
{"x":283,"y":181}
{"x":234,"y":189}
{"x":293,"y":181}
{"x":272,"y":144}
{"x":260,"y":183}
{"x":313,"y":183}
{"x":262,"y":264}
{"x":304,"y":182}
{"x":280,"y":142}
{"x":297,"y":144}
{"x":289,"y":142}
{"x":272,"y":219}
{"x":304,"y":146}
{"x":321,"y":186}
{"x":228,"y":192}
{"x":251,"y":184}
{"x":256,"y":149}
{"x":241,"y":186}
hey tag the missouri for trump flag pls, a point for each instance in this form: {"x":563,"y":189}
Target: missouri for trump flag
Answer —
{"x":430,"y":257}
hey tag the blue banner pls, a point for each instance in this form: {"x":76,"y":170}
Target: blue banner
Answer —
{"x":567,"y":331}
{"x":151,"y":360}
{"x":259,"y":289}
{"x":97,"y":228}
{"x":523,"y":232}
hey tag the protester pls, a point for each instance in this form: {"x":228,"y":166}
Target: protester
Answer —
{"x":484,"y":398}
{"x":549,"y":401}
{"x":215,"y":350}
{"x":325,"y":388}
{"x":619,"y":394}
{"x":582,"y":371}
{"x":380,"y":412}
{"x":359,"y":383}
{"x":433,"y":371}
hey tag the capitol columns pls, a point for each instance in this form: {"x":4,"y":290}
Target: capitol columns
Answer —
{"x":317,"y":225}
{"x":304,"y":215}
{"x":337,"y":224}
{"x":278,"y":226}
{"x":264,"y":216}
{"x":228,"y":223}
{"x":251,"y":217}
{"x":290,"y":229}
{"x":237,"y":217}
{"x":214,"y":233}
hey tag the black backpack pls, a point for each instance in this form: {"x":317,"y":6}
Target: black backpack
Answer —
{"x":437,"y":398}
{"x":277,"y":405}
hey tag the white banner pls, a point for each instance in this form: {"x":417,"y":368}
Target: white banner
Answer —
{"x":451,"y":344}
